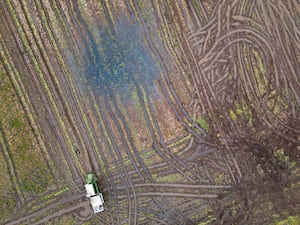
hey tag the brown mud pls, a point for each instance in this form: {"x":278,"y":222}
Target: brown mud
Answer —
{"x":205,"y":129}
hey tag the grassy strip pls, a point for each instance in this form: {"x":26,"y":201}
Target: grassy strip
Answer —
{"x":56,"y":21}
{"x":56,"y":82}
{"x":6,"y":93}
{"x":54,"y":194}
{"x":291,"y":220}
{"x":180,"y":141}
{"x":41,"y":77}
{"x":30,"y":171}
{"x":30,"y":51}
{"x":8,"y":199}
{"x":20,"y":91}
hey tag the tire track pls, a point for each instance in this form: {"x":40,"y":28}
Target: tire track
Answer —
{"x":115,"y":147}
{"x":36,"y":66}
{"x":48,"y":208}
{"x":51,"y":71}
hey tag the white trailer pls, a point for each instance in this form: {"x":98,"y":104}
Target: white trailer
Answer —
{"x":94,"y":194}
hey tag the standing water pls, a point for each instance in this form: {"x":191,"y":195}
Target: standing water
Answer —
{"x":117,"y":60}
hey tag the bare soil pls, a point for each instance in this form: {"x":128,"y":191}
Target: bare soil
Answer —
{"x":187,"y":111}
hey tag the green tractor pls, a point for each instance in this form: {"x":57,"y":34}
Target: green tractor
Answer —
{"x":93,"y":193}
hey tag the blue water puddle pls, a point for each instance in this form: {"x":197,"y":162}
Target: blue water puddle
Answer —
{"x":115,"y":60}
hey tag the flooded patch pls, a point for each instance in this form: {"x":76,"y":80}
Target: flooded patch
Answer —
{"x":116,"y":59}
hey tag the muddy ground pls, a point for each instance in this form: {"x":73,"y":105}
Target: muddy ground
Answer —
{"x":187,"y":111}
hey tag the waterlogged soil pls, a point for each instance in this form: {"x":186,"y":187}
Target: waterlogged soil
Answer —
{"x":187,"y":112}
{"x":117,"y":59}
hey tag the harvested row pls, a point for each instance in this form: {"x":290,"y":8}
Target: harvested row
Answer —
{"x":184,"y":117}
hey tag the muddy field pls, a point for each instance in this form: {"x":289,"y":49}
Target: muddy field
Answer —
{"x":187,"y":110}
